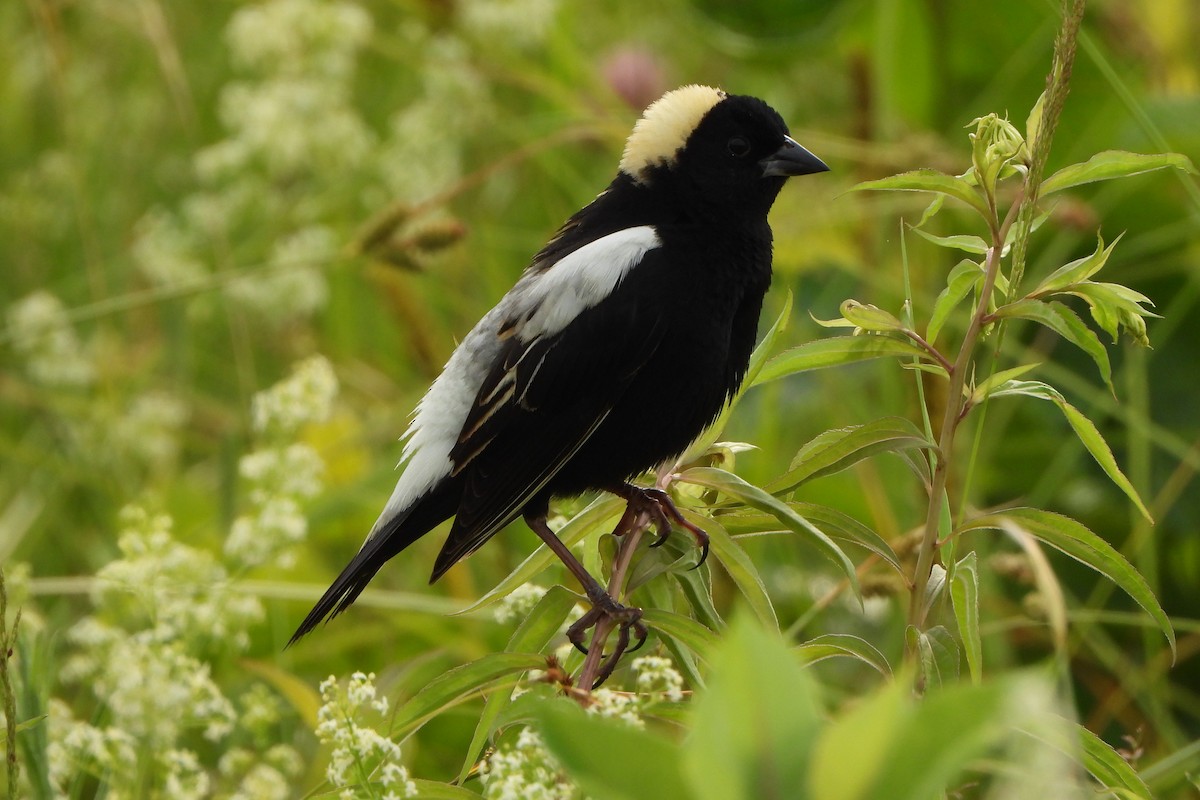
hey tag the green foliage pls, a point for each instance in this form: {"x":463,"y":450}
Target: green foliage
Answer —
{"x":194,"y":201}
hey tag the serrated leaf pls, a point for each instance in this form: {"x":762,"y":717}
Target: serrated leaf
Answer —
{"x":836,"y":524}
{"x":734,"y":560}
{"x":460,"y":683}
{"x":965,"y":242}
{"x":1113,"y":164}
{"x":965,"y":276}
{"x":1077,"y":541}
{"x":964,"y":596}
{"x":869,"y":317}
{"x":1078,"y":270}
{"x":534,"y":632}
{"x":754,"y":726}
{"x":1067,"y":324}
{"x":589,"y":745}
{"x":835,"y":351}
{"x":928,"y":180}
{"x":1107,"y":766}
{"x":735,"y":488}
{"x":937,"y":654}
{"x":1114,"y":306}
{"x":993,"y":382}
{"x":1085,"y":430}
{"x":1033,"y":122}
{"x":931,"y":210}
{"x":22,"y":727}
{"x":578,"y":527}
{"x":836,"y":450}
{"x":844,"y":645}
{"x":685,"y":630}
{"x":862,"y":736}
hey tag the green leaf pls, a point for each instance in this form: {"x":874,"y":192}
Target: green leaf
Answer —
{"x":754,"y":725}
{"x":942,"y":735}
{"x":869,"y":317}
{"x":1085,"y":429}
{"x":457,"y":685}
{"x":835,"y":351}
{"x":736,"y":562}
{"x":1113,"y":164}
{"x":938,"y":655}
{"x":1114,"y":306}
{"x":863,"y":736}
{"x":983,"y":390}
{"x":1067,"y":324}
{"x":844,"y":645}
{"x":534,"y":633}
{"x":1077,"y":541}
{"x":433,"y":790}
{"x":965,"y":242}
{"x":836,"y":524}
{"x":611,"y":759}
{"x":734,"y":487}
{"x":685,"y":630}
{"x":1077,"y":271}
{"x":1106,"y":765}
{"x":585,"y":522}
{"x":965,"y":276}
{"x":836,"y":450}
{"x":928,"y":180}
{"x":21,"y":727}
{"x":964,"y":596}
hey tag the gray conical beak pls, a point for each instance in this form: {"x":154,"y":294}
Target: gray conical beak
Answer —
{"x":791,"y":159}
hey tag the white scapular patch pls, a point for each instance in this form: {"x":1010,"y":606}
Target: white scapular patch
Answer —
{"x":665,"y":127}
{"x":579,"y":280}
{"x":543,"y":303}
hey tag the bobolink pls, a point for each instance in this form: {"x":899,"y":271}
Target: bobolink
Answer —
{"x":617,"y":347}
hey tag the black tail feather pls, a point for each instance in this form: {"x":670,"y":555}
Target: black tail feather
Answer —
{"x":397,"y":534}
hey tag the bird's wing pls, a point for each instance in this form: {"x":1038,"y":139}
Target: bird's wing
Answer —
{"x":567,"y":358}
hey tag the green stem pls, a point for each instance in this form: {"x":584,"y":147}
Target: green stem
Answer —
{"x":918,"y":608}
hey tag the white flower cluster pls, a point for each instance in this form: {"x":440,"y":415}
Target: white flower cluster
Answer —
{"x":524,"y":770}
{"x":657,"y":678}
{"x":518,"y":603}
{"x":522,"y":22}
{"x":363,"y":763}
{"x":284,"y":474}
{"x":291,"y":131}
{"x":41,"y":332}
{"x":149,"y":430}
{"x":292,"y":282}
{"x":304,"y":397}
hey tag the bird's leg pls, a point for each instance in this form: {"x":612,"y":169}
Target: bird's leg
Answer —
{"x":603,"y":604}
{"x":659,"y":506}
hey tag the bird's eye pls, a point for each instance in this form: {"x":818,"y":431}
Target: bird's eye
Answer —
{"x":738,"y":147}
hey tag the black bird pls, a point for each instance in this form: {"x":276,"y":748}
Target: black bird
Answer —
{"x":617,"y":347}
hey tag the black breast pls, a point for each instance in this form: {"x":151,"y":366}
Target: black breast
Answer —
{"x":698,"y":301}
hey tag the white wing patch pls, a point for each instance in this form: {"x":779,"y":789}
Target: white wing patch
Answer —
{"x":543,"y":303}
{"x":580,"y":280}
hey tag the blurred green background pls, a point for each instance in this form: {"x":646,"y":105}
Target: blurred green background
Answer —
{"x":185,"y":189}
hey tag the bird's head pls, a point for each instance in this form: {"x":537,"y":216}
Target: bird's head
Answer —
{"x":726,"y":152}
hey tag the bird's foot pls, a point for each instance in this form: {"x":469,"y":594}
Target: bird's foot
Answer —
{"x":625,"y":618}
{"x":662,"y":511}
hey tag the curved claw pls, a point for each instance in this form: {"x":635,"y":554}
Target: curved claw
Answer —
{"x":664,"y":533}
{"x":642,"y":633}
{"x":703,"y":556}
